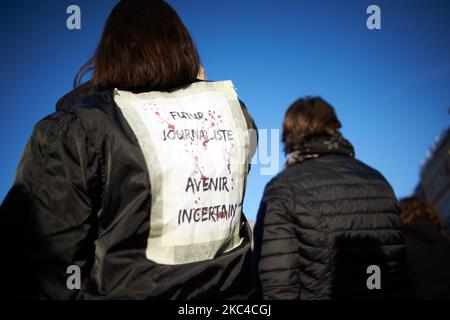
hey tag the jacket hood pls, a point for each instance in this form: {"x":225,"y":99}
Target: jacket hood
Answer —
{"x":82,"y":90}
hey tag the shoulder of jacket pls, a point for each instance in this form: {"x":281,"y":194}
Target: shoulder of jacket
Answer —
{"x":278,"y":185}
{"x":85,"y":98}
{"x":368,"y":168}
{"x":57,"y":126}
{"x":92,"y":110}
{"x":82,"y":90}
{"x":97,"y":101}
{"x":75,"y":116}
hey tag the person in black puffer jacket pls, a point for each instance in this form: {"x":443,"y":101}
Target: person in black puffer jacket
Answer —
{"x":427,"y":249}
{"x":327,"y":217}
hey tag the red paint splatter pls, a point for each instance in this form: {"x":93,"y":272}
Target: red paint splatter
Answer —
{"x":229,"y":158}
{"x":169,"y":125}
{"x":202,"y":176}
{"x":205,"y":143}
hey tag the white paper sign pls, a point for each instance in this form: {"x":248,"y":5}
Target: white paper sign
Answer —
{"x":196,"y":146}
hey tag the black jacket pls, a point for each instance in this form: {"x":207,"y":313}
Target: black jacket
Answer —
{"x":428,"y":258}
{"x":82,"y":196}
{"x":321,"y":224}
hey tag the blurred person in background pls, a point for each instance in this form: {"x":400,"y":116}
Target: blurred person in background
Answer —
{"x":106,"y":183}
{"x":427,"y":249}
{"x":327,"y":217}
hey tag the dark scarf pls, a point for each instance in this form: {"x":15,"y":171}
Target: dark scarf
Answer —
{"x":320,"y":146}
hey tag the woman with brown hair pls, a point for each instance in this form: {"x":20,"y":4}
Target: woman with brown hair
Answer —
{"x":327,"y":217}
{"x":427,"y":249}
{"x":133,"y":188}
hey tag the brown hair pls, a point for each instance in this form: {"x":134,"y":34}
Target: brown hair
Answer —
{"x":306,"y":119}
{"x":414,"y":207}
{"x":144,"y":45}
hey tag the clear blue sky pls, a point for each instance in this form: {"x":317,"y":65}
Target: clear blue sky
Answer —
{"x":390,"y":87}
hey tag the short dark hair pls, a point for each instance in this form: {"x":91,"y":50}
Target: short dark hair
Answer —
{"x":414,"y":207}
{"x":144,"y":45}
{"x":306,"y":119}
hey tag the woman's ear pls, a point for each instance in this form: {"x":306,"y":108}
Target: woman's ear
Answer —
{"x":201,"y":74}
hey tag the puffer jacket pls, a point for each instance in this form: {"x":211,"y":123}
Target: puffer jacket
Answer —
{"x":89,"y":193}
{"x":321,"y":224}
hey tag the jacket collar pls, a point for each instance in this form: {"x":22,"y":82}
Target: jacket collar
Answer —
{"x":318,"y":147}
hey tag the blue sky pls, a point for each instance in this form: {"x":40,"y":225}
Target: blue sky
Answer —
{"x":390,"y":87}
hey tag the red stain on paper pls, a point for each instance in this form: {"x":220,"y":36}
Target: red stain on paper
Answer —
{"x":169,"y":125}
